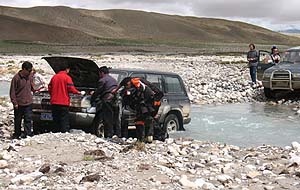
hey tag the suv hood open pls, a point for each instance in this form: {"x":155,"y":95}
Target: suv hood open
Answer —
{"x":84,"y":72}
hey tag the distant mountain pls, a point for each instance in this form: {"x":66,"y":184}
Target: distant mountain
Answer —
{"x":292,"y":31}
{"x":81,"y":26}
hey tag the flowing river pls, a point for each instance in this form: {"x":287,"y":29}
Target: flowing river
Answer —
{"x":244,"y":124}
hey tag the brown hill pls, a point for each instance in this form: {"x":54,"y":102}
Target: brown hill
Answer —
{"x":139,"y":25}
{"x":21,"y":30}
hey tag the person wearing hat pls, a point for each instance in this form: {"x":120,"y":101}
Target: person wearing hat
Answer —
{"x":106,"y":108}
{"x":275,"y":54}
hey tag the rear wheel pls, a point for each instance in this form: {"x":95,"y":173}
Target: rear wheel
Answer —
{"x":171,"y":123}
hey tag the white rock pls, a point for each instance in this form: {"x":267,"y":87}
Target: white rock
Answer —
{"x":174,"y":151}
{"x":3,"y":164}
{"x":208,"y":186}
{"x":224,"y":178}
{"x":187,"y":183}
{"x":26,"y":179}
{"x":200,"y":182}
{"x":80,"y":139}
{"x":5,"y":155}
{"x":296,"y":146}
{"x":169,"y":141}
{"x":295,"y":159}
{"x":100,"y":140}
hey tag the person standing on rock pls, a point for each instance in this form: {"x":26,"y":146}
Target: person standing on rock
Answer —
{"x":252,"y":57}
{"x":106,"y":105}
{"x":21,"y":97}
{"x":60,"y":86}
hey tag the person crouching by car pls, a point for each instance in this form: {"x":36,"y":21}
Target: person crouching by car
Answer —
{"x":252,"y":57}
{"x":60,"y":86}
{"x":140,"y":98}
{"x":21,"y":97}
{"x":106,"y":108}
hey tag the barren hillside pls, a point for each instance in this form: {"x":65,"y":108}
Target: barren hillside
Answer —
{"x":131,"y":25}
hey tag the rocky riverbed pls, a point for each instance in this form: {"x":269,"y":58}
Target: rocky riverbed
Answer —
{"x":82,"y":161}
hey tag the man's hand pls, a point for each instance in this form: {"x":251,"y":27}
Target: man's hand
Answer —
{"x":82,"y":93}
{"x":16,"y":106}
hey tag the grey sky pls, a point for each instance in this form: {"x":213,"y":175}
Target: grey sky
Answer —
{"x":273,"y":14}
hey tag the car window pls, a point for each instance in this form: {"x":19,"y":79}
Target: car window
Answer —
{"x":118,"y":75}
{"x":138,"y":75}
{"x":265,"y":57}
{"x":173,"y":85}
{"x":156,"y":80}
{"x":292,"y":57}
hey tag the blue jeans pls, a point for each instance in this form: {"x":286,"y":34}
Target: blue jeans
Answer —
{"x":253,"y":74}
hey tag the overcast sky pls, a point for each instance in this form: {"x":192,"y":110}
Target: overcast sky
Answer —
{"x":272,"y":14}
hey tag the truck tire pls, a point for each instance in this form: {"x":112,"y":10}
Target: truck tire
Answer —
{"x":269,"y":93}
{"x":171,"y":123}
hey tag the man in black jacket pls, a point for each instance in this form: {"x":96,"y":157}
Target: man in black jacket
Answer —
{"x":105,"y":100}
{"x":145,"y":101}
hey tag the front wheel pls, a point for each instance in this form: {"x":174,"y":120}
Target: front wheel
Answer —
{"x":171,"y":123}
{"x":269,"y":93}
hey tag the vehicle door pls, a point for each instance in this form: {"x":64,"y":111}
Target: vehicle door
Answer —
{"x":175,"y":93}
{"x":265,"y":61}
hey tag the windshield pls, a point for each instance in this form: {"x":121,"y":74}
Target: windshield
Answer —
{"x":291,"y":57}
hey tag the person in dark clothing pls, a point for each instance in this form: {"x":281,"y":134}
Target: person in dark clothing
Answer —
{"x":107,"y":110}
{"x":252,"y":57}
{"x":275,"y":54}
{"x":145,"y":101}
{"x":21,"y":97}
{"x":60,"y":86}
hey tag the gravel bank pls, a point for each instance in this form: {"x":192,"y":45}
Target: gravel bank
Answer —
{"x":82,"y":161}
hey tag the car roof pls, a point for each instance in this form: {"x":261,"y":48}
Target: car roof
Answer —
{"x":297,"y":48}
{"x":143,"y":71}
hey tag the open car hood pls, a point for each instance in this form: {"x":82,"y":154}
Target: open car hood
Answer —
{"x":84,"y":72}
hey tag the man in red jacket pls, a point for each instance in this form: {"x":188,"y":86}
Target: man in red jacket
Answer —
{"x":60,"y":86}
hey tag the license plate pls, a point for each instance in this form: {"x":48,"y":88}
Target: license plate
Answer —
{"x":46,"y":116}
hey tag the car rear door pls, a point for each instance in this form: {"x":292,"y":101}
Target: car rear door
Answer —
{"x":265,"y":61}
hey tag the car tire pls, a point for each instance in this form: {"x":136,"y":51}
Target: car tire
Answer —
{"x":99,"y":129}
{"x":269,"y":93}
{"x":171,"y":123}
